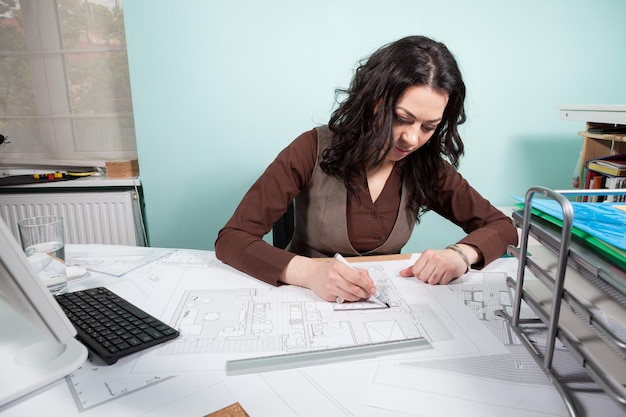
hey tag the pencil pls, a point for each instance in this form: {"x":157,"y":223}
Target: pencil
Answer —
{"x":374,"y":296}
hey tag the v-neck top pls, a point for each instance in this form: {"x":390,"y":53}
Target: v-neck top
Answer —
{"x":370,"y":223}
{"x":322,"y":213}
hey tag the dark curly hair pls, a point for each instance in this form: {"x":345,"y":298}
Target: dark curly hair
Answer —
{"x":363,"y":123}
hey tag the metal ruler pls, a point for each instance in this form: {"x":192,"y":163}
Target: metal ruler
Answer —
{"x":321,"y":357}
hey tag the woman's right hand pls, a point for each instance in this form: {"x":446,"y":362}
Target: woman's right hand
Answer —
{"x":329,"y":279}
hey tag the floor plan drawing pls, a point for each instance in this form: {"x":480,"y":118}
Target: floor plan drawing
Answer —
{"x":257,"y":320}
{"x":484,"y":294}
{"x":234,"y":323}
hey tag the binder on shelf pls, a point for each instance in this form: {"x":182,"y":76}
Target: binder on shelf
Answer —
{"x":600,"y":225}
{"x":614,"y":165}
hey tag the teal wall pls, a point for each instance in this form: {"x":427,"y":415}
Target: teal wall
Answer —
{"x":219,"y":88}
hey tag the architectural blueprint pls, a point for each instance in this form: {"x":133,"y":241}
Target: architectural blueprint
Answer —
{"x":283,"y":320}
{"x":257,"y":319}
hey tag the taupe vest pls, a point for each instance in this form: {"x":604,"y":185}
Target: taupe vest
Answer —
{"x":321,"y":227}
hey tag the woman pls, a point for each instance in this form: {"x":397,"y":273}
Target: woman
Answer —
{"x":388,"y":155}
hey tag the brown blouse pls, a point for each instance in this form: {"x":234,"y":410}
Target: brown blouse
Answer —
{"x":240,"y":242}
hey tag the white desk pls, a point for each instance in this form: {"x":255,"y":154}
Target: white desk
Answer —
{"x":474,"y":368}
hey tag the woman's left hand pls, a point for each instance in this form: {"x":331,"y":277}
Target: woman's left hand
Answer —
{"x":440,"y":266}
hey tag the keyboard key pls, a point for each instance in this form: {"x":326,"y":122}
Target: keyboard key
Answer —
{"x":154,"y":333}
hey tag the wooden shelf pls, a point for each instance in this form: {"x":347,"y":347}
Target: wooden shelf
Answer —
{"x":597,"y":145}
{"x":617,"y":137}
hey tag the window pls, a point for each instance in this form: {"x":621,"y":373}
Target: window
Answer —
{"x":65,"y":94}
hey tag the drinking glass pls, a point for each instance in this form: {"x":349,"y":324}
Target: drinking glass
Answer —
{"x":44,"y":244}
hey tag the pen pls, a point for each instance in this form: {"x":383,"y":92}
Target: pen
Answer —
{"x":374,"y":296}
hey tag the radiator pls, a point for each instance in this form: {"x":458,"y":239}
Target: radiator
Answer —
{"x":106,"y":217}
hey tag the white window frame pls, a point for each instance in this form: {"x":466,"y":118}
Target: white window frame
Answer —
{"x":42,"y":29}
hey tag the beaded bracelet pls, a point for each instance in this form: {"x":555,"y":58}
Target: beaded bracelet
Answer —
{"x":461,"y":254}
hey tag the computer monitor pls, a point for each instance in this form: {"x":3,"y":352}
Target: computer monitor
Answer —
{"x":37,"y":344}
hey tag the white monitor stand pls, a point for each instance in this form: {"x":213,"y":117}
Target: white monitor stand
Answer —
{"x":37,"y":344}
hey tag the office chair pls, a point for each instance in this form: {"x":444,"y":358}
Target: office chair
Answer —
{"x":282,"y":230}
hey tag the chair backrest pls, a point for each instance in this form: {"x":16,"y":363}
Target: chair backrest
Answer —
{"x":282,"y":231}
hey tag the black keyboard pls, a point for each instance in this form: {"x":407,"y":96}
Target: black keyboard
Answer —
{"x":111,"y":327}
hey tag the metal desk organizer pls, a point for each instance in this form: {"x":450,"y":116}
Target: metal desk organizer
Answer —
{"x":578,"y":298}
